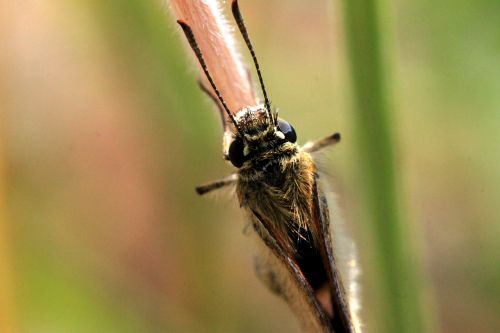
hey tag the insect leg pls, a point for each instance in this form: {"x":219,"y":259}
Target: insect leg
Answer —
{"x":312,"y":147}
{"x":268,"y":276}
{"x":215,"y":185}
{"x":216,"y":101}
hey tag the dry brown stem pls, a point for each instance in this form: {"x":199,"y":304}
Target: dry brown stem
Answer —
{"x":217,"y":45}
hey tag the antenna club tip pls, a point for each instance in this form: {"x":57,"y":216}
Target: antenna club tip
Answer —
{"x":336,"y":136}
{"x":235,"y":8}
{"x":183,"y":24}
{"x":200,"y":190}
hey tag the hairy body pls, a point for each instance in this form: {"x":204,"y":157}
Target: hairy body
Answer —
{"x":277,"y":186}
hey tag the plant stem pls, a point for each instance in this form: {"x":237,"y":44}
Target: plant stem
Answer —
{"x":217,"y":45}
{"x":6,"y":272}
{"x":369,"y":53}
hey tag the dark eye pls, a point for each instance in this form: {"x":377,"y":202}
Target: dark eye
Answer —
{"x":236,"y":153}
{"x":288,"y":130}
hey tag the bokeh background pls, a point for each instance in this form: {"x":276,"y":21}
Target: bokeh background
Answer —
{"x":104,"y":134}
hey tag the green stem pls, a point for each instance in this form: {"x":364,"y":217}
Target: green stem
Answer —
{"x":398,"y":306}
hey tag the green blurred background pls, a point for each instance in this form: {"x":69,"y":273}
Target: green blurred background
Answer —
{"x":104,"y":135}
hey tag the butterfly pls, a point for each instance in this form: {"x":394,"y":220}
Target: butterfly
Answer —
{"x":278,"y":187}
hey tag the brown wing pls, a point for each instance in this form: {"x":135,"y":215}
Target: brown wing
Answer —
{"x":304,"y":293}
{"x":341,"y":320}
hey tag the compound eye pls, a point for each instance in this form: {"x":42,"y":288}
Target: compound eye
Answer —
{"x":236,"y":155}
{"x":288,"y":130}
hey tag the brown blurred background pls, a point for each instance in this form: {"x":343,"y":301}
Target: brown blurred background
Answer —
{"x":104,"y":134}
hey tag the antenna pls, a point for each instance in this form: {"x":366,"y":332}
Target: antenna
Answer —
{"x":194,"y":45}
{"x":241,"y":25}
